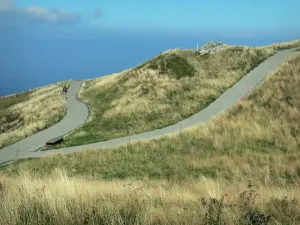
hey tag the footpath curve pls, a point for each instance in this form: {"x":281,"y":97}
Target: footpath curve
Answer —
{"x":77,"y":114}
{"x":229,"y":98}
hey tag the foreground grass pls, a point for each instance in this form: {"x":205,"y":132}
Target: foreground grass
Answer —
{"x":161,"y":92}
{"x":164,"y":181}
{"x":61,"y":200}
{"x":26,"y":113}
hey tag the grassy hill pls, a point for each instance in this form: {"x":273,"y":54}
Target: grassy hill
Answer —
{"x":240,"y":168}
{"x":26,"y":113}
{"x":162,"y":91}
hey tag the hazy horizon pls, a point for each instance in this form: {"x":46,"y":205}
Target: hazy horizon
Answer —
{"x":47,"y":41}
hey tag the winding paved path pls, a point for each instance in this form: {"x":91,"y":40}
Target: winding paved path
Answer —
{"x":78,"y":113}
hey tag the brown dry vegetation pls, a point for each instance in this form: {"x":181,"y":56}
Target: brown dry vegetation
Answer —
{"x":161,"y":91}
{"x":284,"y":45}
{"x":29,"y":112}
{"x":163,"y":181}
{"x":61,"y":200}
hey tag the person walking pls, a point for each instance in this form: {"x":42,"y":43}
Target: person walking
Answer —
{"x":64,"y":91}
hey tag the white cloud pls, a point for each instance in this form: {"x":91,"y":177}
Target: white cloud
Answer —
{"x":38,"y":13}
{"x":52,"y":15}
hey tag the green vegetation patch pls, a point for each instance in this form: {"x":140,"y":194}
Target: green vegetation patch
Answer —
{"x":174,"y":159}
{"x":172,"y":64}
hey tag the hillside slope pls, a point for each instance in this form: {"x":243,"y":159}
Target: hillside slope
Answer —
{"x":199,"y":176}
{"x":161,"y":91}
{"x":24,"y":114}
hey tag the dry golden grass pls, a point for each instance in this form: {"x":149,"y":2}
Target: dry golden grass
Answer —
{"x":284,"y":45}
{"x":61,"y":200}
{"x":24,"y":114}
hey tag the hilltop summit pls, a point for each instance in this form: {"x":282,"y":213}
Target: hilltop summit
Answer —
{"x":211,"y":47}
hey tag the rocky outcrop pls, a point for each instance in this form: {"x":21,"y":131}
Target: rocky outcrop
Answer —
{"x":211,"y":47}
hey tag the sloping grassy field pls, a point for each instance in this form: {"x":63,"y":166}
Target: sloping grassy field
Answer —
{"x":249,"y":155}
{"x":24,"y":114}
{"x":161,"y":91}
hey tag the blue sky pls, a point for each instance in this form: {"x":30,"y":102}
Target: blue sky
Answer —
{"x":227,"y":18}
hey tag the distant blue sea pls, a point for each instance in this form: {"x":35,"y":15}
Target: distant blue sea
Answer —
{"x":30,"y":63}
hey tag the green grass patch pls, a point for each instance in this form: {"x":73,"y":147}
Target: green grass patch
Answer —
{"x":172,"y":64}
{"x":178,"y":159}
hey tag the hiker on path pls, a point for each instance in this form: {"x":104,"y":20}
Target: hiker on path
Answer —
{"x":64,"y":91}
